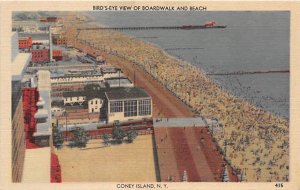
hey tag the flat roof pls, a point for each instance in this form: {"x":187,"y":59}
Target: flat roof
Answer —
{"x":74,"y":94}
{"x":122,"y":80}
{"x":126,"y":93}
{"x":44,"y":80}
{"x":19,"y":65}
{"x":37,"y":165}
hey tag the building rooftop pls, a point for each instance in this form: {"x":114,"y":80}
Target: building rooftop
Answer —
{"x":37,"y":158}
{"x":126,"y":93}
{"x":44,"y":80}
{"x":115,"y":80}
{"x":35,"y":36}
{"x":39,"y":46}
{"x":74,"y":94}
{"x":110,"y":70}
{"x":41,"y":113}
{"x":88,"y":93}
{"x":19,"y":65}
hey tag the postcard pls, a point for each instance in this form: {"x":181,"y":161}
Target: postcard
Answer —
{"x":149,"y":95}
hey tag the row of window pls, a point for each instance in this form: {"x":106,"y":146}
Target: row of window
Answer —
{"x":130,"y":107}
{"x":71,"y":99}
{"x":116,"y":106}
{"x":96,"y":102}
{"x":145,"y":107}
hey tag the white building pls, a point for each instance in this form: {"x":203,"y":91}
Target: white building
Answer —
{"x":125,"y":104}
{"x":94,"y":105}
{"x":90,"y":99}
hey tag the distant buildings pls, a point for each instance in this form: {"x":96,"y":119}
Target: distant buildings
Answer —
{"x":40,"y":53}
{"x":25,"y":42}
{"x":57,"y":55}
{"x":59,"y":39}
{"x":48,"y":19}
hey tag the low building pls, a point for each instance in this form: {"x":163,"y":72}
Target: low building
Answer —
{"x":48,"y":19}
{"x":40,"y":53}
{"x":91,"y":97}
{"x":57,"y":55}
{"x":25,"y":42}
{"x":125,"y":104}
{"x":59,"y":39}
{"x":95,"y":104}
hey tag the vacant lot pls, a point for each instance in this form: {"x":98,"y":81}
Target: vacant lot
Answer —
{"x":96,"y":163}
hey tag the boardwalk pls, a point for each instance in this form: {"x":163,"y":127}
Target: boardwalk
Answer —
{"x":188,"y":149}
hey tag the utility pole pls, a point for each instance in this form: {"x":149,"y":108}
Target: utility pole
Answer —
{"x":66,"y":125}
{"x":225,"y":149}
{"x":134,"y":78}
{"x":119,"y":78}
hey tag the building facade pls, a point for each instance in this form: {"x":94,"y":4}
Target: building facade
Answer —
{"x":18,"y":142}
{"x":59,"y":39}
{"x":94,"y":105}
{"x":40,"y":53}
{"x":25,"y":42}
{"x":19,"y":63}
{"x":92,"y":99}
{"x":57,"y":55}
{"x":124,"y":104}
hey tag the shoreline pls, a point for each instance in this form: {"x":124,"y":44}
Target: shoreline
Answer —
{"x":185,"y":63}
{"x":234,"y":113}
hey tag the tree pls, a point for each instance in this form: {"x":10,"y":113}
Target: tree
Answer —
{"x":118,"y":133}
{"x":57,"y":137}
{"x":105,"y":138}
{"x":131,"y":135}
{"x":80,"y":137}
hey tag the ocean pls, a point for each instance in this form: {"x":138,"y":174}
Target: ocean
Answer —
{"x":252,"y":41}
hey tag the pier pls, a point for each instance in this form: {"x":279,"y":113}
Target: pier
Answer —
{"x":250,"y":72}
{"x":184,"y":27}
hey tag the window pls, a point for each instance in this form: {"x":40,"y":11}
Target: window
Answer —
{"x":77,"y":98}
{"x":92,"y":102}
{"x":96,"y":102}
{"x":145,"y":107}
{"x":116,"y":106}
{"x":130,"y":108}
{"x":92,"y":110}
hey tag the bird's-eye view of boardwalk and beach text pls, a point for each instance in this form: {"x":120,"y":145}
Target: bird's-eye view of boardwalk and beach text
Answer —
{"x":150,"y":96}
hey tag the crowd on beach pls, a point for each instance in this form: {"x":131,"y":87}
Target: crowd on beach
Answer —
{"x":257,"y":142}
